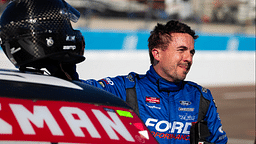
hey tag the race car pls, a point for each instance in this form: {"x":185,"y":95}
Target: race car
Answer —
{"x":40,"y":108}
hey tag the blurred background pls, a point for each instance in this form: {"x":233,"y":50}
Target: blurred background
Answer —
{"x":116,"y":33}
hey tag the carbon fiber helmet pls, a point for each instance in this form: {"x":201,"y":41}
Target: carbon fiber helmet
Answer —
{"x":33,"y":33}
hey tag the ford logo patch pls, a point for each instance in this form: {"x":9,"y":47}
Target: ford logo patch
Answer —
{"x":185,"y":103}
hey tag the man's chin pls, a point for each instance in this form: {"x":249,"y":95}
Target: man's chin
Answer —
{"x":180,"y":78}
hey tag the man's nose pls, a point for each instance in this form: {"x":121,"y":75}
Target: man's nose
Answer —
{"x":188,"y":57}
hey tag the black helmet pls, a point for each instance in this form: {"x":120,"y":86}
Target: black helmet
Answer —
{"x":33,"y":33}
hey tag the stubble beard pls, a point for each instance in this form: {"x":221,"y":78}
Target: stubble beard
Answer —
{"x":175,"y":77}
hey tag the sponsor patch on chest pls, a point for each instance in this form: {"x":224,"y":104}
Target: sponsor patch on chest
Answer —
{"x":186,"y":109}
{"x":185,"y":103}
{"x":153,"y":100}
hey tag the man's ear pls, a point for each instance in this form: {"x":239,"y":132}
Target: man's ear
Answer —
{"x":156,"y":54}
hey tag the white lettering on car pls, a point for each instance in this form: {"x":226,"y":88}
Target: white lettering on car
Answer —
{"x":5,"y":128}
{"x":37,"y":119}
{"x":109,"y":125}
{"x":176,"y":126}
{"x":40,"y":115}
{"x":64,"y":121}
{"x":76,"y":125}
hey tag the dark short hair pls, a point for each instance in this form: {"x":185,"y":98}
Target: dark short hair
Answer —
{"x":160,"y":37}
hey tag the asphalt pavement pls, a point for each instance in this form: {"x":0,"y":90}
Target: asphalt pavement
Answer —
{"x":236,"y":106}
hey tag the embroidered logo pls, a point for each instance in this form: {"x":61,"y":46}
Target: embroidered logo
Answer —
{"x":153,"y":107}
{"x":185,"y":103}
{"x":187,"y":117}
{"x":130,"y":78}
{"x":186,"y":109}
{"x":204,"y":90}
{"x":102,"y":84}
{"x":153,"y":100}
{"x":108,"y":81}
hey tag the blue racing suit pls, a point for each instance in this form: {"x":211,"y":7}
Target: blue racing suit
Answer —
{"x":167,"y":109}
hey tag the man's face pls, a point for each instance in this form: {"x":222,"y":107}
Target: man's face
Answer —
{"x":174,"y":62}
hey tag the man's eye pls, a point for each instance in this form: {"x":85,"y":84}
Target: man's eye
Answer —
{"x":193,"y":52}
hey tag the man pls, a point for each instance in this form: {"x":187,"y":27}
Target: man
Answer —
{"x":166,"y":103}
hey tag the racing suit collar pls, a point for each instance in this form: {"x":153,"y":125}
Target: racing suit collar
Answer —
{"x":163,"y":85}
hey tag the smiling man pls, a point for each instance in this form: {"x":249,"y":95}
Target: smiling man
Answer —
{"x":173,"y":62}
{"x":168,"y":105}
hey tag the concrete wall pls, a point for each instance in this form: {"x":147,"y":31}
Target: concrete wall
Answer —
{"x":208,"y":69}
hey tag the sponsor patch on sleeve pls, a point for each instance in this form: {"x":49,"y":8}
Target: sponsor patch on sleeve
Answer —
{"x":204,"y":90}
{"x":102,"y":84}
{"x":108,"y":81}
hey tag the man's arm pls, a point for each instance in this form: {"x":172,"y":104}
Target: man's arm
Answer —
{"x":114,"y":85}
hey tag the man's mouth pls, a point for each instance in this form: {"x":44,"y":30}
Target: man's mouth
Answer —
{"x":185,"y":66}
